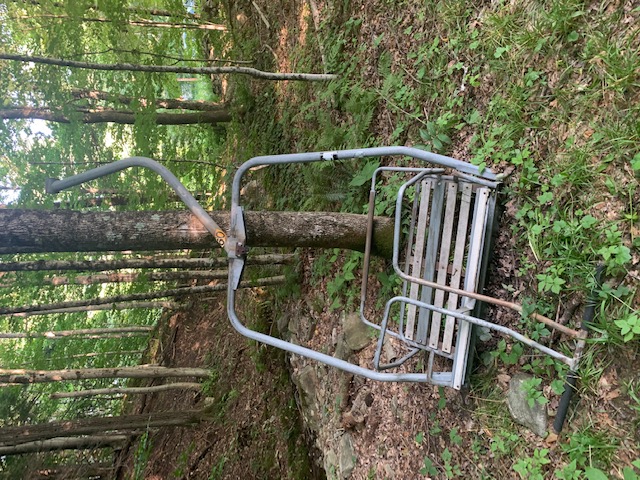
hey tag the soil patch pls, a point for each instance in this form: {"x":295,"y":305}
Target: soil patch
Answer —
{"x":251,"y":427}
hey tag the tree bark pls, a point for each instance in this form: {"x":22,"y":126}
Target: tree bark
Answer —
{"x":155,"y":12}
{"x":27,"y":231}
{"x":54,"y":444}
{"x":135,"y":23}
{"x":114,"y":116}
{"x":139,"y":296}
{"x":129,"y":263}
{"x":72,"y":471}
{"x":168,"y":103}
{"x":87,"y":426}
{"x":81,"y":332}
{"x":108,"y":306}
{"x":133,"y":277}
{"x":129,"y":67}
{"x":128,"y":390}
{"x":23,"y":376}
{"x":97,"y":354}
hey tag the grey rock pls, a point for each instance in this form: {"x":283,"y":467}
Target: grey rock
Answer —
{"x":534,"y":418}
{"x":331,"y":465}
{"x":346,"y":456}
{"x":356,"y":333}
{"x":343,"y":352}
{"x":307,"y":382}
{"x":283,"y":325}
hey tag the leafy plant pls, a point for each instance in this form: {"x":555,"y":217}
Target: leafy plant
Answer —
{"x":629,"y":326}
{"x":429,"y":468}
{"x":533,"y":467}
{"x":533,"y":393}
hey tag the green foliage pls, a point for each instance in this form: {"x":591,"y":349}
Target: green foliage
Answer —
{"x":629,"y":326}
{"x":533,"y":467}
{"x":141,"y":457}
{"x":533,"y":394}
{"x":429,"y":468}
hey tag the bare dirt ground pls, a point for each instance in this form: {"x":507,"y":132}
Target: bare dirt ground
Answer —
{"x":251,"y":427}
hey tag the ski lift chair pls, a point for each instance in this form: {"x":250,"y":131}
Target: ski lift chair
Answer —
{"x":441,"y":249}
{"x":441,"y":257}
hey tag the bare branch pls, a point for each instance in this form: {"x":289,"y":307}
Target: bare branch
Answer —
{"x":129,"y":67}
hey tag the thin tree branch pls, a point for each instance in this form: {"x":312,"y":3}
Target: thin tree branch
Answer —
{"x":140,"y":296}
{"x":82,"y":332}
{"x":136,"y":23}
{"x":169,"y":57}
{"x":128,"y":390}
{"x":129,"y":67}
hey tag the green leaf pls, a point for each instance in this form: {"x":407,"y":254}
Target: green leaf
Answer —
{"x":588,"y":221}
{"x":500,"y":51}
{"x":573,"y":36}
{"x":365,"y":174}
{"x":592,"y":473}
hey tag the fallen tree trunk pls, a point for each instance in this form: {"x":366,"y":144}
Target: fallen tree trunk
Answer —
{"x":129,"y":263}
{"x":263,"y":282}
{"x":23,"y":376}
{"x":25,"y":231}
{"x":80,"y":443}
{"x":128,"y":390}
{"x":107,"y":306}
{"x":83,"y":332}
{"x":132,"y":277}
{"x":88,"y":426}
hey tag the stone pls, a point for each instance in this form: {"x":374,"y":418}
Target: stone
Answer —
{"x":346,"y":456}
{"x":283,"y":326}
{"x":331,"y":465}
{"x":343,"y":352}
{"x":307,"y":382}
{"x":356,"y":333}
{"x":534,"y":418}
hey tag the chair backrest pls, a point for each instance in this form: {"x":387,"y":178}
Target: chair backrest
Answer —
{"x":448,"y":243}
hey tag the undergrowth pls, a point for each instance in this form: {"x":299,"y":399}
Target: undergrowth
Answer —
{"x":542,"y":92}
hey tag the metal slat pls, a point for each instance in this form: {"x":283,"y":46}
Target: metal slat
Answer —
{"x":470,"y":282}
{"x":409,"y":254}
{"x":433,"y":242}
{"x":443,"y":264}
{"x":458,"y":258}
{"x":418,"y":254}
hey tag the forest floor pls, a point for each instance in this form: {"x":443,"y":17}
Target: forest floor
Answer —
{"x":251,"y":427}
{"x":409,"y":430}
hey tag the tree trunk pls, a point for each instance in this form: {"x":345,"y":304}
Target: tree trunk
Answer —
{"x":72,"y":471}
{"x":133,"y":277}
{"x":23,"y":376}
{"x":54,"y":444}
{"x":128,"y":390}
{"x":26,"y":231}
{"x":155,"y":12}
{"x":114,"y":116}
{"x":168,"y":103}
{"x":129,"y":263}
{"x":87,"y":426}
{"x":129,"y":67}
{"x":108,"y":306}
{"x":82,"y":332}
{"x":139,"y":296}
{"x":135,"y":23}
{"x":97,"y":354}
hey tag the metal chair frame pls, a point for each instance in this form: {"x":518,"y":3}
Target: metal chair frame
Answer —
{"x":234,"y":244}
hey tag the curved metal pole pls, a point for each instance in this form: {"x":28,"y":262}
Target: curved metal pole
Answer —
{"x":54,"y":185}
